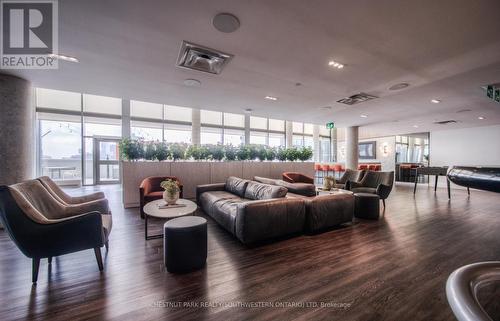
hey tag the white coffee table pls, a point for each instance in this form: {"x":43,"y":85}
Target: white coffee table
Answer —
{"x":152,"y":209}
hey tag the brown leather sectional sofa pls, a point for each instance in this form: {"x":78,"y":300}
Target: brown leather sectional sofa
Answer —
{"x":255,"y":211}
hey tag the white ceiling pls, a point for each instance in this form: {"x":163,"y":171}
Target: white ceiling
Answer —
{"x":445,"y":49}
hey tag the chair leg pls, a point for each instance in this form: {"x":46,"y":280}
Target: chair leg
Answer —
{"x":107,"y":246}
{"x":49,"y":259}
{"x":383,"y":202}
{"x":35,"y":266}
{"x":97,"y":251}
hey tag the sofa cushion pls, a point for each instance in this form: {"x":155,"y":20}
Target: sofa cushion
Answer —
{"x":259,"y":191}
{"x":236,"y":186}
{"x":369,"y":190}
{"x":299,"y":188}
{"x":265,"y":180}
{"x":224,"y":212}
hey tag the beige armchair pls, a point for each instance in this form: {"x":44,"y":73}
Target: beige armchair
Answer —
{"x":92,"y":202}
{"x":43,"y":228}
{"x":61,"y":196}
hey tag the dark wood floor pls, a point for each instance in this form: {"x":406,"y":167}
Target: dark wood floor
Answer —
{"x":391,"y":269}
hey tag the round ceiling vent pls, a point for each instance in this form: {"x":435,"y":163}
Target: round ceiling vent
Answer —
{"x":192,"y":82}
{"x":399,"y":86}
{"x":226,"y":22}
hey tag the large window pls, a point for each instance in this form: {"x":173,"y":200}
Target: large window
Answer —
{"x":175,"y":133}
{"x":234,"y":120}
{"x":211,"y":135}
{"x":302,"y":135}
{"x":60,"y":147}
{"x":140,"y":109}
{"x":258,"y":123}
{"x":267,"y":131}
{"x":211,"y":117}
{"x":176,"y":113}
{"x":234,"y":137}
{"x":276,"y":140}
{"x":147,"y":131}
{"x":102,"y":105}
{"x":57,"y":99}
{"x":324,"y":150}
{"x":259,"y":138}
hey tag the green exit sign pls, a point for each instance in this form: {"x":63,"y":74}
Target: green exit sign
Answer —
{"x":330,"y":125}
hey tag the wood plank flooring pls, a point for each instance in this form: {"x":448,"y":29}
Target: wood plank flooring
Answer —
{"x":391,"y":269}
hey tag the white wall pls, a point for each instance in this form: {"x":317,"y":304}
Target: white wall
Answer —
{"x":478,"y":146}
{"x":387,"y":159}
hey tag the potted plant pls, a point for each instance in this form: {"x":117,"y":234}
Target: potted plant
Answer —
{"x":161,"y":152}
{"x":131,"y":150}
{"x":305,"y":153}
{"x":230,"y":152}
{"x":171,"y":193}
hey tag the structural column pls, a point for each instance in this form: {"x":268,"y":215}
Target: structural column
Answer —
{"x":289,"y":133}
{"x":16,"y":130}
{"x":333,"y":144}
{"x":247,"y":129}
{"x":351,"y":147}
{"x":195,"y":126}
{"x":316,"y":151}
{"x":125,"y":118}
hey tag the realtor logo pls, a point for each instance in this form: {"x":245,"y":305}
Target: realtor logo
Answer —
{"x":29,"y":34}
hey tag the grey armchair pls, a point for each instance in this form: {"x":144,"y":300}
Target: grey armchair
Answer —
{"x":379,"y":183}
{"x":41,"y":227}
{"x":349,"y":175}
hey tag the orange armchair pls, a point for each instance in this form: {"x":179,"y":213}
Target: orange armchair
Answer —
{"x":150,"y":189}
{"x":292,"y":177}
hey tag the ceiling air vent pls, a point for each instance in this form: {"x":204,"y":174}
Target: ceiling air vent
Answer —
{"x":356,"y":99}
{"x":200,"y":58}
{"x":445,"y":122}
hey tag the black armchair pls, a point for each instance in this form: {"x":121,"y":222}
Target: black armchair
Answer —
{"x":379,"y":183}
{"x":40,"y":237}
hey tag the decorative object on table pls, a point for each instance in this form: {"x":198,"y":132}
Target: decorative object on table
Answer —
{"x":165,"y":206}
{"x":171,"y":193}
{"x":328,"y":183}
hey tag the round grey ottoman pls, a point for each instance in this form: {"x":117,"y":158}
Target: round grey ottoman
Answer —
{"x":366,"y":205}
{"x":185,"y":244}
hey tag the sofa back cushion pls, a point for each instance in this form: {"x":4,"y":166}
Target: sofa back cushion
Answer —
{"x":303,"y":189}
{"x":236,"y":185}
{"x":265,"y":180}
{"x":259,"y":191}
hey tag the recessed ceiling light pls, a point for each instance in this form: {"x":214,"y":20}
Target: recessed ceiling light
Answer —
{"x":415,"y":126}
{"x":64,"y":57}
{"x":481,"y":118}
{"x":271,"y":98}
{"x":248,"y":110}
{"x":399,"y":86}
{"x":335,"y":64}
{"x":435,"y":101}
{"x":192,"y":82}
{"x":226,"y":22}
{"x":363,"y":116}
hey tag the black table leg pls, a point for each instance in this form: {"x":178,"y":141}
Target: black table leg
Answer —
{"x":415,"y":187}
{"x":468,"y":191}
{"x":146,"y":236}
{"x":436,"y":183}
{"x":448,"y":185}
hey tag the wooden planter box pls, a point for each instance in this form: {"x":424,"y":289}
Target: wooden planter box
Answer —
{"x":192,"y":174}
